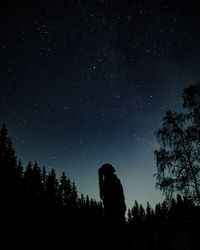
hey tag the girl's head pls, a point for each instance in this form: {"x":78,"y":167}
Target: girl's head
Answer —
{"x":105,"y":170}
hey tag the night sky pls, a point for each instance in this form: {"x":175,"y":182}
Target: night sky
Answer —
{"x":87,"y":82}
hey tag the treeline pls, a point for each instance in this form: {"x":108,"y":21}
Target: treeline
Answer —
{"x":36,"y":202}
{"x":35,"y":188}
{"x":173,"y":210}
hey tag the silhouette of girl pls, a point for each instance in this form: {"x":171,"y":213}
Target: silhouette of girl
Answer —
{"x":112,"y":195}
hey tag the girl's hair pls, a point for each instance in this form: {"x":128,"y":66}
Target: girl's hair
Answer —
{"x":105,"y":168}
{"x":101,"y":182}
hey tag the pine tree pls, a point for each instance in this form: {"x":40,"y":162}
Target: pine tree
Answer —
{"x":135,"y":213}
{"x":27,"y":190}
{"x":141,"y":213}
{"x":180,"y":207}
{"x":51,"y":184}
{"x":19,"y":173}
{"x":51,"y":193}
{"x":149,"y":213}
{"x":10,"y":176}
{"x":130,"y":219}
{"x":165,"y":210}
{"x":43,"y":175}
{"x":81,"y":202}
{"x":158,"y":212}
{"x":27,"y":178}
{"x":65,"y":190}
{"x":74,"y":196}
{"x":173,"y":209}
{"x":8,"y":161}
{"x":37,"y":185}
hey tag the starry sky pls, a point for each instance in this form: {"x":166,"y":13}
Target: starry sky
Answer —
{"x":86,"y":82}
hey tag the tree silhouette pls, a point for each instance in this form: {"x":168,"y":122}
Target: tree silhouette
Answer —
{"x":149,"y":213}
{"x":7,"y":152}
{"x":32,"y":186}
{"x":19,"y":173}
{"x":8,"y":160}
{"x":142,"y":213}
{"x":136,"y":215}
{"x":158,"y":212}
{"x":178,"y":159}
{"x":10,"y":172}
{"x":51,"y":192}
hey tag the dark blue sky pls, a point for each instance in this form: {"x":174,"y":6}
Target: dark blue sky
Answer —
{"x":88,"y":82}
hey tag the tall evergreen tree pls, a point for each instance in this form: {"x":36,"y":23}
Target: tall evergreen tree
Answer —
{"x":135,"y":213}
{"x":165,"y":210}
{"x":65,"y":189}
{"x":8,"y":160}
{"x":43,"y":175}
{"x":130,"y":219}
{"x":173,"y":210}
{"x":9,"y":174}
{"x":51,"y":190}
{"x":149,"y":213}
{"x":74,"y":196}
{"x":141,"y":213}
{"x":158,"y":213}
{"x":19,"y":173}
